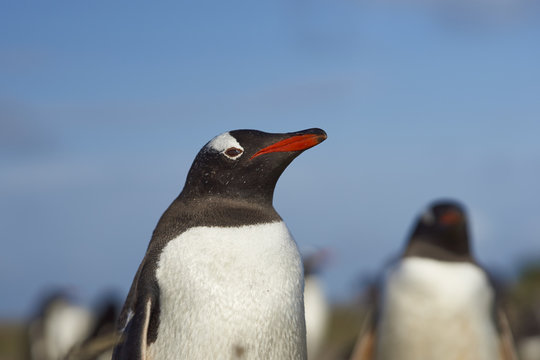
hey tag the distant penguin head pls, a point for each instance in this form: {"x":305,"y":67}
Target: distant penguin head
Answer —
{"x":315,"y":260}
{"x":443,"y":227}
{"x":246,"y":163}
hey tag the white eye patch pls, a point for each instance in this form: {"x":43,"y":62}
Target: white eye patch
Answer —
{"x":428,"y":217}
{"x":224,"y":142}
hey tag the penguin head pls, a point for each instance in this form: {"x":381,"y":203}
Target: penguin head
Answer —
{"x":443,"y":227}
{"x":315,"y":260}
{"x":246,"y":164}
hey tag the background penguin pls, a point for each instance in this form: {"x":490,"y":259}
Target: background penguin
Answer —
{"x":437,"y":302}
{"x":100,"y":342}
{"x":316,"y":305}
{"x":222,"y":277}
{"x":59,"y":325}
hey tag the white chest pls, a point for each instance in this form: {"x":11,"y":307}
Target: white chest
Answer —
{"x":436,"y":310}
{"x":230,"y":293}
{"x":317,"y":315}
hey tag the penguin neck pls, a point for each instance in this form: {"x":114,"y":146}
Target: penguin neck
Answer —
{"x":444,"y":248}
{"x":187,"y":211}
{"x":252,"y":198}
{"x":225,"y":211}
{"x":440,"y":243}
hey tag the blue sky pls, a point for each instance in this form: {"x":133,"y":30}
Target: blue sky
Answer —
{"x":103,"y":107}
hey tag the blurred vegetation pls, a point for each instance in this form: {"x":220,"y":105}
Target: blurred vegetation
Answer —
{"x":345,"y":323}
{"x":523,"y":301}
{"x":13,"y":341}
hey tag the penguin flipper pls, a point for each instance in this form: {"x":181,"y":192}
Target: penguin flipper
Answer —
{"x":129,"y":304}
{"x":364,"y":349}
{"x":507,"y":347}
{"x":134,"y":338}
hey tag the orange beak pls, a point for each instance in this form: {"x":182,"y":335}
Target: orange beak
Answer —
{"x":451,"y":217}
{"x":294,"y":143}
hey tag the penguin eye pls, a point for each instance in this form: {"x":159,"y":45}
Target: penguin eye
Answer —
{"x":233,"y":152}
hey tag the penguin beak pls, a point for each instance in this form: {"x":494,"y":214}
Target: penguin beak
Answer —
{"x":298,"y":141}
{"x":451,"y":217}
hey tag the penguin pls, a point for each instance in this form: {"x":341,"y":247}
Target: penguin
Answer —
{"x":436,"y":301}
{"x":222,"y":276}
{"x":101,"y":341}
{"x":59,"y":325}
{"x":316,"y":305}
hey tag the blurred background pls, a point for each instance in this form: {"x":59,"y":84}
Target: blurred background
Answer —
{"x":104,"y":105}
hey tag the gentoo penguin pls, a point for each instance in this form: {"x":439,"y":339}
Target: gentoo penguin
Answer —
{"x":222,"y":276}
{"x":103,"y":337}
{"x":59,"y":325}
{"x":316,"y":305}
{"x":436,"y":301}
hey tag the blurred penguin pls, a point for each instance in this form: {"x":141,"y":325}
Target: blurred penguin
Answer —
{"x":59,"y":325}
{"x":102,"y":339}
{"x":315,"y":303}
{"x":436,"y":301}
